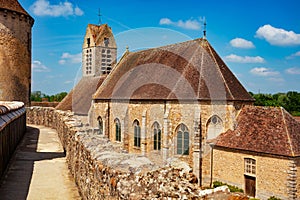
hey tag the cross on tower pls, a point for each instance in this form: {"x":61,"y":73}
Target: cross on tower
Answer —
{"x":99,"y":15}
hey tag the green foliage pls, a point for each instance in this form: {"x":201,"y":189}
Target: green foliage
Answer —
{"x":231,"y":188}
{"x":38,"y":96}
{"x":253,"y":199}
{"x":273,"y":198}
{"x":290,"y":101}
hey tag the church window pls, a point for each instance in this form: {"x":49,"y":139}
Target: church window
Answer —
{"x":214,"y":127}
{"x":103,"y":50}
{"x":182,"y":147}
{"x":108,"y":51}
{"x":118,"y":130}
{"x":250,"y":166}
{"x":108,"y":56}
{"x":100,"y":125}
{"x":87,"y":51}
{"x":137,"y":133}
{"x":156,"y":136}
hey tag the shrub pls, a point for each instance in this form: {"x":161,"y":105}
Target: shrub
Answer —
{"x":273,"y":198}
{"x":231,"y":187}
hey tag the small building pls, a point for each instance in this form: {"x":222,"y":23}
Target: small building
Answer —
{"x":261,"y":155}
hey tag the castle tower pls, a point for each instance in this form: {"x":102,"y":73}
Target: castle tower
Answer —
{"x":99,"y":50}
{"x":15,"y":52}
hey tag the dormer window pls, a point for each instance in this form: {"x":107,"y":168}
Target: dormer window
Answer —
{"x":106,"y":41}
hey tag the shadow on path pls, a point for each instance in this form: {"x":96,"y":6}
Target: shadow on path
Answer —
{"x":16,"y":181}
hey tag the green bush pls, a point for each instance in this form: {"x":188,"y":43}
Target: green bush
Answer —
{"x":231,"y":188}
{"x":273,"y":198}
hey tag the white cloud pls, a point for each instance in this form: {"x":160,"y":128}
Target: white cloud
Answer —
{"x":241,"y":43}
{"x":37,"y":66}
{"x":262,"y":71}
{"x":278,"y":36}
{"x":245,"y":59}
{"x":297,"y":54}
{"x":293,"y":70}
{"x":44,"y":8}
{"x":70,"y":58}
{"x":192,"y":24}
{"x":68,"y":82}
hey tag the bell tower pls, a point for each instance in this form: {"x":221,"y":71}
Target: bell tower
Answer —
{"x":99,"y":51}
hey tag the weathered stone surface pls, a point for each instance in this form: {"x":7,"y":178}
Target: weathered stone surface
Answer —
{"x":103,"y":170}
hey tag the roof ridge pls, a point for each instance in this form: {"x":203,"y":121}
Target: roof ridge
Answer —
{"x":287,"y":131}
{"x":214,"y":59}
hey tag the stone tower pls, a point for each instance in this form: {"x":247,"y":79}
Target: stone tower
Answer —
{"x":15,"y":52}
{"x":99,"y":50}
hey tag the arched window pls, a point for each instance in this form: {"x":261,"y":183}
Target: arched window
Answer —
{"x":182,"y":140}
{"x":156,"y":136}
{"x":214,"y":127}
{"x":137,"y":133}
{"x":118,"y":130}
{"x":100,"y":125}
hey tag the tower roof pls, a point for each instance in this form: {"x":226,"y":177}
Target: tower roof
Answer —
{"x":191,"y":70}
{"x":13,"y":5}
{"x":98,"y":33}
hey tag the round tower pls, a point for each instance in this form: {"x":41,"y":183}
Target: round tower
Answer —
{"x":15,"y":52}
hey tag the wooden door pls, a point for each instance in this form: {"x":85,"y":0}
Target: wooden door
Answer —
{"x":250,"y":183}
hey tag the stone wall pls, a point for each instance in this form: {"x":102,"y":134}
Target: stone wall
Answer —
{"x":272,"y":172}
{"x":15,"y":56}
{"x":12,"y":129}
{"x":169,"y":115}
{"x":103,"y":170}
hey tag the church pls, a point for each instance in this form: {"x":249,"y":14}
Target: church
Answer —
{"x":182,"y":102}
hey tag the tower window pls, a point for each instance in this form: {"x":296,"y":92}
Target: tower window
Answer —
{"x":88,"y":42}
{"x":156,"y":136}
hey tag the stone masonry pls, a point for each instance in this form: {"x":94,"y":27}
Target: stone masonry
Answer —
{"x":15,"y":54}
{"x":103,"y":170}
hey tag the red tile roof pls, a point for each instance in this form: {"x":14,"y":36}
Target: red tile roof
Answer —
{"x":270,"y":130}
{"x":13,"y":5}
{"x":80,"y":98}
{"x":189,"y":70}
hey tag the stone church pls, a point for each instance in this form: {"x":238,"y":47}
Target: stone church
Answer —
{"x":182,"y":102}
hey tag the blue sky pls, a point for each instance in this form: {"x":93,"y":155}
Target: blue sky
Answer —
{"x":259,"y":39}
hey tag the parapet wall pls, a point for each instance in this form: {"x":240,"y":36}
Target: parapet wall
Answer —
{"x":12,"y":129}
{"x":103,"y":170}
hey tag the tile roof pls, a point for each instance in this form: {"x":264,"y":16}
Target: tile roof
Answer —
{"x":99,"y":33}
{"x":190,"y":70}
{"x":80,"y":98}
{"x":13,"y":5}
{"x":270,"y":130}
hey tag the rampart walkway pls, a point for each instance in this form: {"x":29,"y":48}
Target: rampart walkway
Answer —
{"x":38,"y":170}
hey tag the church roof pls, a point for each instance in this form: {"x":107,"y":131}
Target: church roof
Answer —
{"x":13,"y":5}
{"x":270,"y":130}
{"x":80,"y":97}
{"x":191,"y":70}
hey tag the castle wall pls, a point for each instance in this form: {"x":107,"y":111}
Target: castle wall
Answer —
{"x":102,"y":170}
{"x":15,"y":56}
